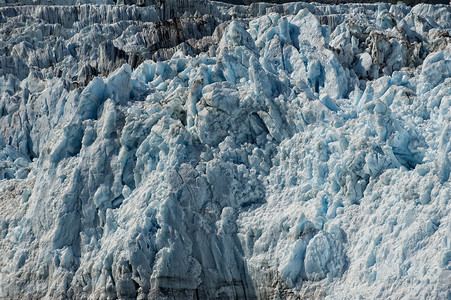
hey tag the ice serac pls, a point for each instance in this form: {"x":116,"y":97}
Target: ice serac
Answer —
{"x":226,"y":152}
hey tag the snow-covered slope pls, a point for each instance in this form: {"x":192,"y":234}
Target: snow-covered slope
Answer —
{"x":273,"y":152}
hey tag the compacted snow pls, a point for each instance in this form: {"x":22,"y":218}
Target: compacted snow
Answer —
{"x":284,"y":152}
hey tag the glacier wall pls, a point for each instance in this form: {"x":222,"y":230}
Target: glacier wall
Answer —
{"x":266,"y":152}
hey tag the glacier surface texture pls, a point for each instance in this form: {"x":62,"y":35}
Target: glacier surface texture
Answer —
{"x":200,"y":150}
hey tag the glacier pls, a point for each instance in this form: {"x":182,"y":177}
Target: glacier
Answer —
{"x":202,"y":150}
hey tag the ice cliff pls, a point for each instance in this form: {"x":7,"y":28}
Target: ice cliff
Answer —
{"x":200,"y":150}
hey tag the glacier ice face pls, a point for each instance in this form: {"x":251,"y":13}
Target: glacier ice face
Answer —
{"x":275,"y":151}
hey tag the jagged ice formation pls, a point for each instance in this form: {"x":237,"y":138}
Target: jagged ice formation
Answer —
{"x":199,"y":150}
